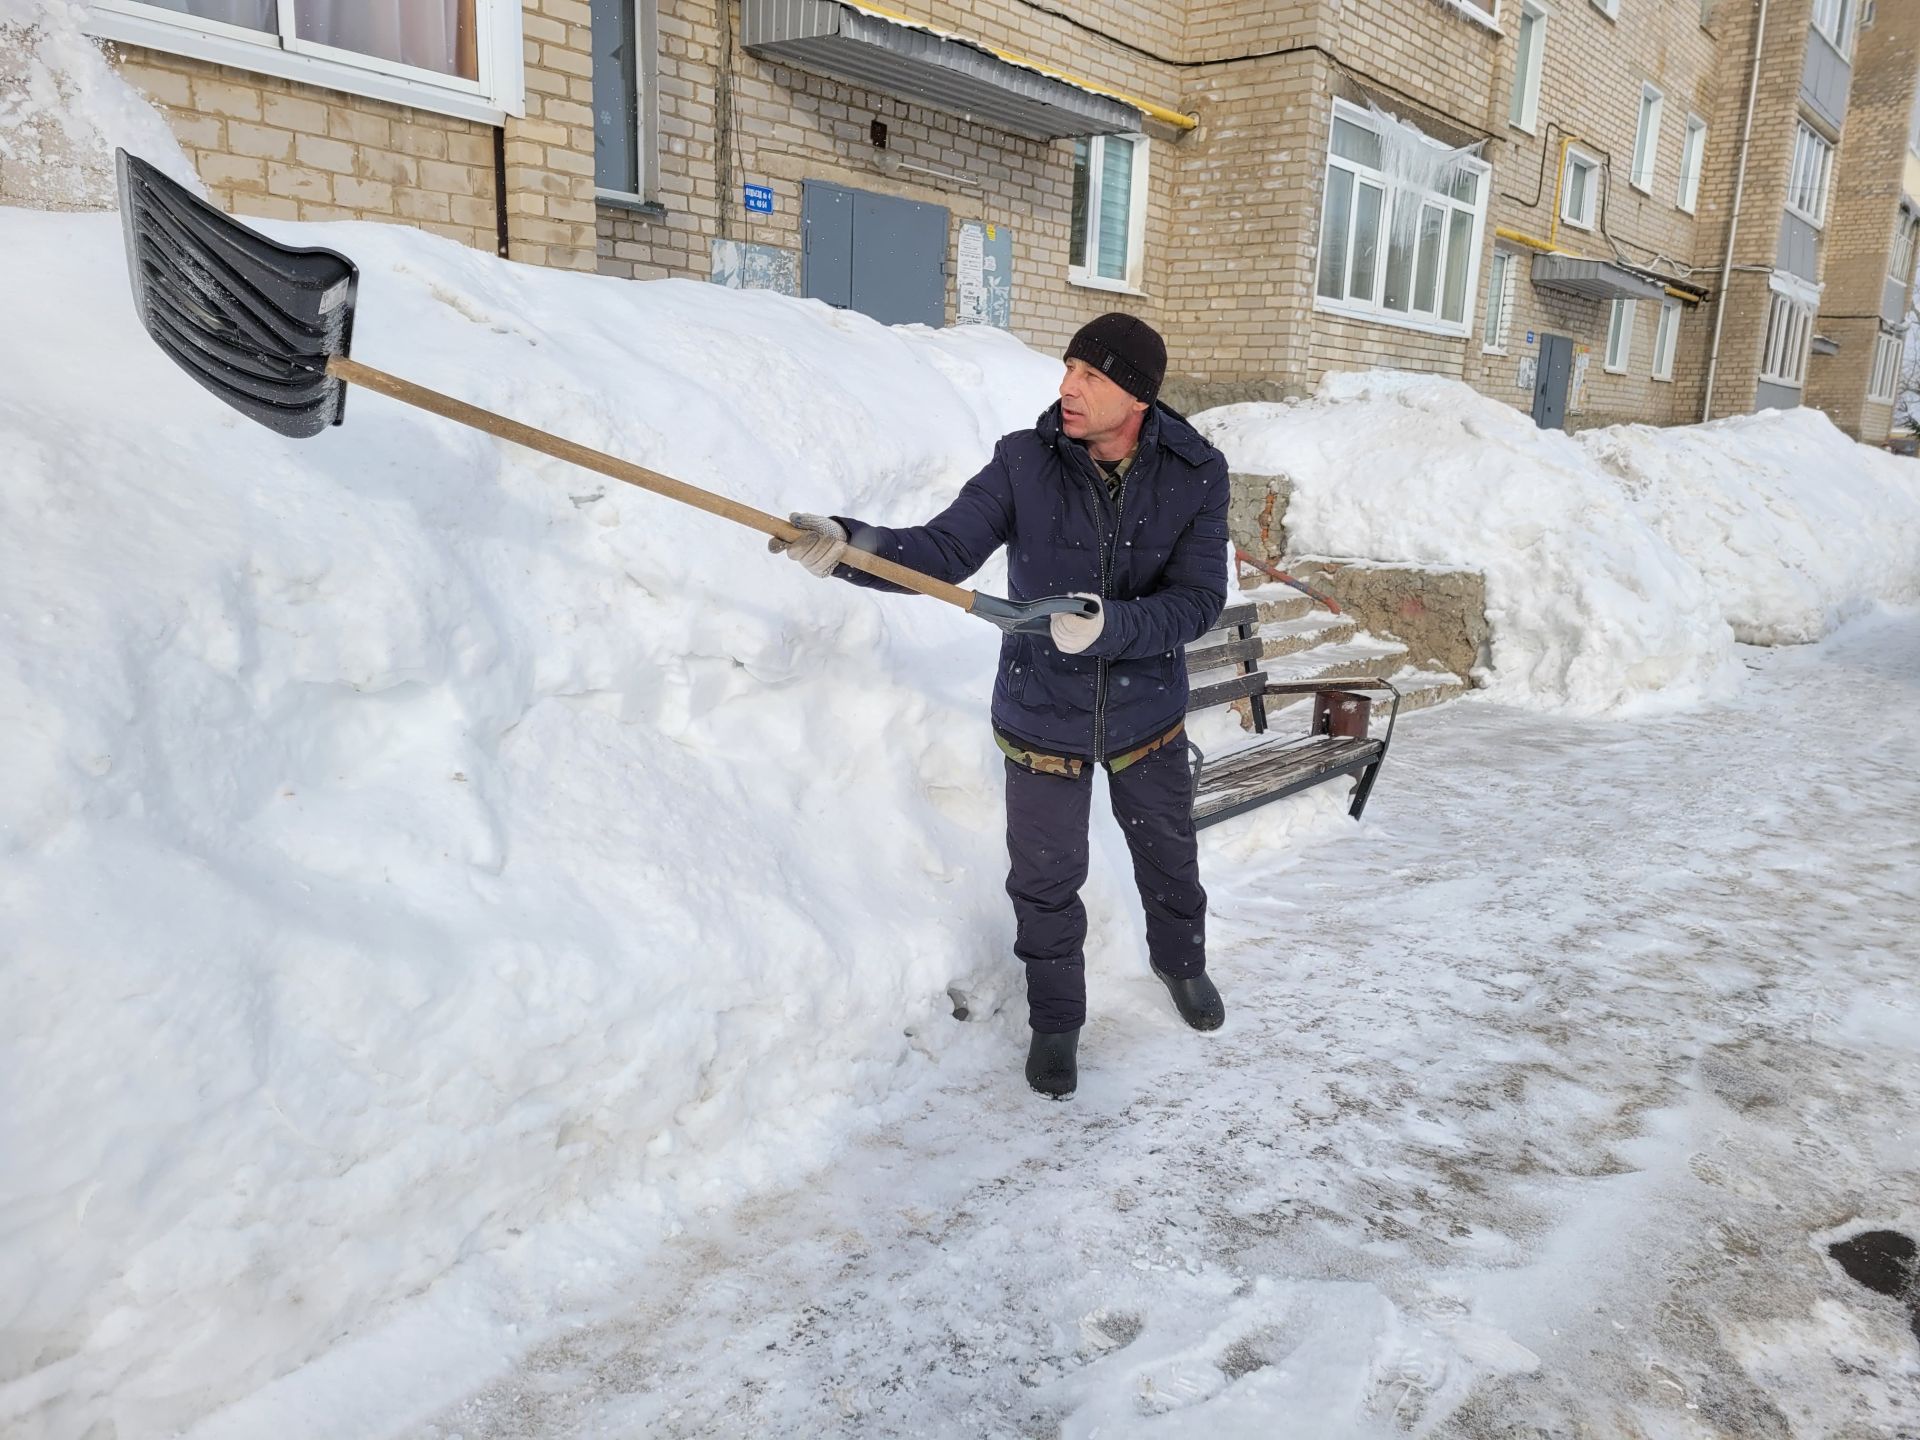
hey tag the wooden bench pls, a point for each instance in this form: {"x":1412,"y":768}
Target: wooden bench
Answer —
{"x":1336,"y":744}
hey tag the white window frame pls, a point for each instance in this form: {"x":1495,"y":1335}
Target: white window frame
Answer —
{"x":1666,"y":340}
{"x":1620,"y":321}
{"x":1906,"y":230}
{"x":1500,"y":291}
{"x":1789,"y":333}
{"x":1646,"y":138}
{"x":1527,"y":67}
{"x":1693,"y":155}
{"x":1374,"y":309}
{"x":646,"y":22}
{"x":1087,"y":274}
{"x":1592,"y":164}
{"x":1608,"y":8}
{"x":1812,"y":165}
{"x":1886,"y":369}
{"x":1487,"y":13}
{"x":1835,"y":20}
{"x":500,"y":90}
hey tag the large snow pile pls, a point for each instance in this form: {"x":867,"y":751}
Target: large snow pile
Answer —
{"x":63,"y":112}
{"x":404,"y":836}
{"x":1794,"y":525}
{"x":1590,"y":609}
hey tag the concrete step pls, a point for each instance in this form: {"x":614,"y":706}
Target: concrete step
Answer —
{"x":1305,"y":632}
{"x":1422,"y":688}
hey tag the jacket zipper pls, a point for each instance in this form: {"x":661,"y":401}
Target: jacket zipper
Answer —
{"x":1106,"y":561}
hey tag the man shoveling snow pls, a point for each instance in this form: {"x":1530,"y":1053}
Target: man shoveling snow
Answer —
{"x":1112,"y":497}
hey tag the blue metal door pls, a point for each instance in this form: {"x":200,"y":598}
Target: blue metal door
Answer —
{"x":877,"y":254}
{"x":826,"y":243}
{"x":1550,"y":382}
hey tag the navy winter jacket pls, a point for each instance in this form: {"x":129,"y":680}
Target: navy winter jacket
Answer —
{"x":1158,"y":560}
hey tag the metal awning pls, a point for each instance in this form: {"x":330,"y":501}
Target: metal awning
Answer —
{"x":1822,"y":345}
{"x":941,"y":71}
{"x":1592,"y":279}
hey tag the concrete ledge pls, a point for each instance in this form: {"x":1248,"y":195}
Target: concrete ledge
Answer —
{"x":1257,"y":514}
{"x":1439,"y":615}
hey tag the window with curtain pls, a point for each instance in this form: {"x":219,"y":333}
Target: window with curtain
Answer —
{"x":436,"y":35}
{"x":427,"y":52}
{"x":1390,"y":249}
{"x":1108,"y":210}
{"x":248,"y":14}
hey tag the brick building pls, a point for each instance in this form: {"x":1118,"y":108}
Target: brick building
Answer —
{"x":1545,"y":198}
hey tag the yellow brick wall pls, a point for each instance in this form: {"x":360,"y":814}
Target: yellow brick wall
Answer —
{"x":284,"y":150}
{"x":278,"y":148}
{"x":1868,"y":181}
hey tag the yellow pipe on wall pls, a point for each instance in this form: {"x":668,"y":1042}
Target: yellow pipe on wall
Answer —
{"x":1146,"y":107}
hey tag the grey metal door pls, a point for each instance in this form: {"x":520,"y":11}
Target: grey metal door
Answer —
{"x":877,"y":254}
{"x":1550,"y":382}
{"x":826,"y":243}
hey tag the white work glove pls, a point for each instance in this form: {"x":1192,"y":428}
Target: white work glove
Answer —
{"x":1074,"y":633}
{"x":819,"y":549}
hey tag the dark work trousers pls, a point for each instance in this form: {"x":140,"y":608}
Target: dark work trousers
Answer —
{"x":1047,"y":851}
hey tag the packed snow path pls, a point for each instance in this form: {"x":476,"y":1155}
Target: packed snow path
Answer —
{"x":1540,"y":1098}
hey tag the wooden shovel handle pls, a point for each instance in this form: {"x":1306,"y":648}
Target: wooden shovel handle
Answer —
{"x":408,"y":393}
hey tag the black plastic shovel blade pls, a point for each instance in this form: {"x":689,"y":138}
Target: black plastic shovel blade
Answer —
{"x":252,"y":320}
{"x":1030,"y":617}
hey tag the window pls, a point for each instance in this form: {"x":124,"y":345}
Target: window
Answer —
{"x":1481,"y":10}
{"x":1693,"y":150}
{"x":1905,"y":229}
{"x":455,"y":57}
{"x":623,"y":50}
{"x":1620,"y":336}
{"x":1392,"y":250}
{"x":1789,"y":334}
{"x":1646,"y":139}
{"x":1666,"y":335}
{"x":1807,"y":184}
{"x":1608,"y":8}
{"x":1109,"y":211}
{"x":1499,"y":318}
{"x":1529,"y":49}
{"x":1580,"y":189}
{"x":1834,"y":19}
{"x":1886,"y":368}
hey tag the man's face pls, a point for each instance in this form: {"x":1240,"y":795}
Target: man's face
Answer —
{"x":1092,"y":407}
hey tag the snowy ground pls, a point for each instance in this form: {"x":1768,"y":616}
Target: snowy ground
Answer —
{"x":1541,"y":1094}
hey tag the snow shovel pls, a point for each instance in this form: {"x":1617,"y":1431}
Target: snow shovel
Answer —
{"x":266,"y":327}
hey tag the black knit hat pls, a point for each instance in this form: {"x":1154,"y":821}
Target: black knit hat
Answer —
{"x":1125,"y":349}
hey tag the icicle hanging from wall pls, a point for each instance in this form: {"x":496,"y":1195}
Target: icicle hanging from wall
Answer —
{"x":1413,"y":158}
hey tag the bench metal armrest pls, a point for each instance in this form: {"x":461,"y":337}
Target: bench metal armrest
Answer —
{"x":1351,"y":682}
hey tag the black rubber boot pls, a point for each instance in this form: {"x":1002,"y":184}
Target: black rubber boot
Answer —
{"x":1051,"y":1065}
{"x":1195,"y":997}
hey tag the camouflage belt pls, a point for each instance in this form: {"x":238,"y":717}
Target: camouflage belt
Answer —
{"x":1071,"y":765}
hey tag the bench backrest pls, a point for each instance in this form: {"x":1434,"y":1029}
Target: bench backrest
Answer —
{"x":1232,"y":641}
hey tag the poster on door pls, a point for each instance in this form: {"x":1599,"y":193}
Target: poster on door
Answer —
{"x":1527,"y":372}
{"x":984,"y":278}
